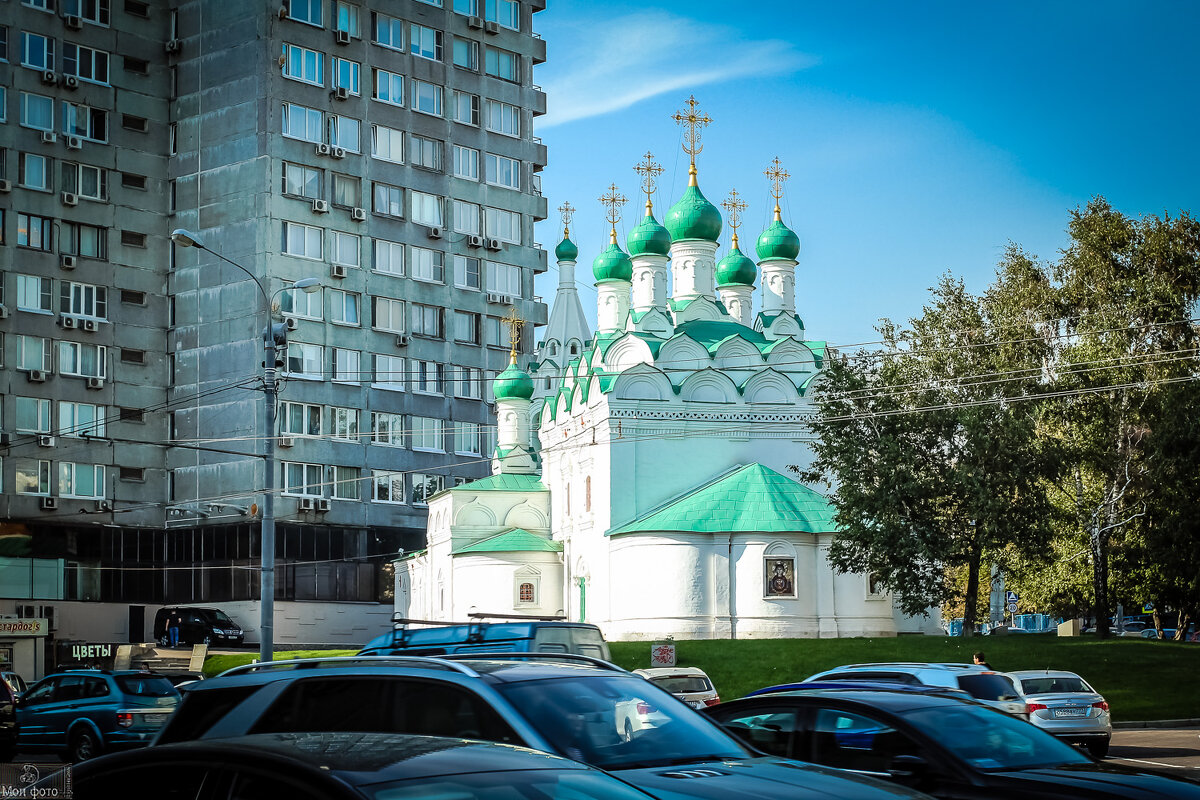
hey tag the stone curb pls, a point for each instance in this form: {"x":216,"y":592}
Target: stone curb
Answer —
{"x":1162,"y":723}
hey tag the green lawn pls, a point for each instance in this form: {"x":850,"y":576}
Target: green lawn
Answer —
{"x":1142,"y":680}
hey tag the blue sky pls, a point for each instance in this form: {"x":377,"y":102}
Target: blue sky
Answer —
{"x":920,"y":137}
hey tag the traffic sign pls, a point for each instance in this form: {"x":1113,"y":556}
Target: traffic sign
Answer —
{"x":1012,"y":608}
{"x":1010,"y":597}
{"x":1148,"y":608}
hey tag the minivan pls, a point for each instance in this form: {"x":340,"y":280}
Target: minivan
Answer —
{"x":506,"y":635}
{"x":198,"y":626}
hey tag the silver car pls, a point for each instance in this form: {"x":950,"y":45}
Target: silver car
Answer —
{"x":1062,"y":703}
{"x":985,"y":685}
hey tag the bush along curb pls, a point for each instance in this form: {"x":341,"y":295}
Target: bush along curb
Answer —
{"x":1162,"y":723}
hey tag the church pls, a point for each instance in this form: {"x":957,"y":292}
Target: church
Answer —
{"x":641,"y":475}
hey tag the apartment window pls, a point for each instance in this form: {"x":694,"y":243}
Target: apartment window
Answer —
{"x":132,"y":181}
{"x":387,"y":144}
{"x":302,"y":241}
{"x":138,"y":66}
{"x":37,"y":52}
{"x":387,"y":429}
{"x":465,"y":108}
{"x":345,"y":483}
{"x":466,"y":162}
{"x":389,"y":257}
{"x":466,"y":54}
{"x":3,"y":43}
{"x":346,"y":248}
{"x":426,"y":320}
{"x":34,"y":232}
{"x":300,"y":122}
{"x":133,"y":298}
{"x":389,"y":373}
{"x":91,"y":10}
{"x":298,"y":303}
{"x":503,"y":118}
{"x":80,"y":419}
{"x":504,"y":279}
{"x":82,"y":360}
{"x":343,"y":422}
{"x":347,"y":192}
{"x":300,"y":419}
{"x":80,"y":480}
{"x":347,"y":18}
{"x":131,"y":122}
{"x":466,"y":438}
{"x":468,"y":8}
{"x":37,"y":111}
{"x":301,"y":181}
{"x":467,"y":382}
{"x":344,"y":132}
{"x":494,"y":339}
{"x":302,"y":480}
{"x":33,"y":352}
{"x":466,"y":272}
{"x":82,"y":300}
{"x":427,"y":98}
{"x":85,"y":122}
{"x":426,"y":209}
{"x":425,"y":42}
{"x":3,"y":99}
{"x":502,"y":171}
{"x":506,"y":13}
{"x":132,"y":356}
{"x":135,"y":474}
{"x":346,"y":365}
{"x":427,"y":434}
{"x":389,"y":87}
{"x":387,"y":199}
{"x":426,"y":153}
{"x":389,"y":31}
{"x":389,"y":486}
{"x":388,"y":314}
{"x":33,"y":415}
{"x":304,"y":360}
{"x":302,"y":64}
{"x":466,"y":327}
{"x":343,"y":307}
{"x":34,"y":294}
{"x":346,"y":75}
{"x":85,"y":63}
{"x":305,"y":11}
{"x":500,"y":63}
{"x":32,"y":477}
{"x":504,"y":225}
{"x":466,"y":217}
{"x":133,"y":239}
{"x":33,"y":171}
{"x":88,"y":182}
{"x":425,"y":486}
{"x":427,"y":265}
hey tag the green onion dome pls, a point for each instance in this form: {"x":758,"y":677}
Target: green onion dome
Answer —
{"x":613,"y":264}
{"x":514,"y":382}
{"x":778,"y":242}
{"x":693,"y":217}
{"x":566,"y":250}
{"x":649,"y":238}
{"x":736,"y":268}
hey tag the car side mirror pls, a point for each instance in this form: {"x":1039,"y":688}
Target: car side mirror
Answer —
{"x":908,"y":769}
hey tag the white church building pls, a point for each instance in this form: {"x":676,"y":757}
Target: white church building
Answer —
{"x":641,"y":478}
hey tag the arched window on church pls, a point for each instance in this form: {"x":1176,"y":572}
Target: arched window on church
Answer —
{"x":526,"y":594}
{"x":587,"y":493}
{"x":574,"y":349}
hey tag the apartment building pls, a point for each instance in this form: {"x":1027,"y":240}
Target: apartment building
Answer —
{"x":382,"y":151}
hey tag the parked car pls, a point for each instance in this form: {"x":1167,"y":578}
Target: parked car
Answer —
{"x":1063,"y":704}
{"x":349,"y":766}
{"x":83,"y":713}
{"x":948,"y":747}
{"x":198,"y":626}
{"x":8,"y":722}
{"x":489,"y":634}
{"x":689,"y":684}
{"x":15,"y":682}
{"x":564,"y":704}
{"x":985,"y":685}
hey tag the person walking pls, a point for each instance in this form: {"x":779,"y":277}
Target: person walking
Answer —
{"x":173,"y":629}
{"x":981,"y":661}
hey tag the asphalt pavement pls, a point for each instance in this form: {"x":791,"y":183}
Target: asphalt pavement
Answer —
{"x":1174,"y":750}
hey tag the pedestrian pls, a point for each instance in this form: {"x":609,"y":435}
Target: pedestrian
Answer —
{"x":173,"y":629}
{"x":981,"y":661}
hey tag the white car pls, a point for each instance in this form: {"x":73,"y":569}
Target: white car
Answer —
{"x":1063,"y":704}
{"x":985,"y":685}
{"x":689,"y":684}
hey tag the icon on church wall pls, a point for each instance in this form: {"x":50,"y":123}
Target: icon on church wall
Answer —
{"x":780,"y":577}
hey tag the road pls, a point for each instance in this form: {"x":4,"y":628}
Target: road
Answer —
{"x":1174,"y":750}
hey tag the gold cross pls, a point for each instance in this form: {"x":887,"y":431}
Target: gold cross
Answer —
{"x":614,"y":200}
{"x":777,"y":175}
{"x":568,"y":213}
{"x":694,"y":121}
{"x":649,"y":170}
{"x":734,"y":206}
{"x":515,"y":323}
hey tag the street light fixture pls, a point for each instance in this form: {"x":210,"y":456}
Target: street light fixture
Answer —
{"x":274,"y":338}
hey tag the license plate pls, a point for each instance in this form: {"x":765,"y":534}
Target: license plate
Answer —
{"x":153,"y":720}
{"x":696,"y":703}
{"x":1070,"y":712}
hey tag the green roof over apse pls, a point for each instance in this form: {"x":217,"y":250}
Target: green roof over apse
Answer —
{"x":504,"y":482}
{"x":513,"y":540}
{"x":751,"y":499}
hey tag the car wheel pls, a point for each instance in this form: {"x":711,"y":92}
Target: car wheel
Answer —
{"x":84,"y":745}
{"x":1098,"y":749}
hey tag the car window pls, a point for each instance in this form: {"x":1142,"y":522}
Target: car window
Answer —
{"x":774,"y":730}
{"x":146,"y":686}
{"x":223,"y":619}
{"x":1054,"y":685}
{"x":94,"y":687}
{"x":70,"y":687}
{"x":40,"y":693}
{"x":200,"y":710}
{"x":677,"y":684}
{"x":987,"y":686}
{"x":847,"y":740}
{"x":885,"y":677}
{"x":992,"y":740}
{"x":575,"y":784}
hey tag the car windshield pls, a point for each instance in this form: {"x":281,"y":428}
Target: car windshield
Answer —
{"x":1049,"y":685}
{"x":222,"y":618}
{"x":575,"y":784}
{"x":990,"y":740}
{"x":146,"y":686}
{"x":679,"y":684}
{"x":618,"y":722}
{"x":988,"y":686}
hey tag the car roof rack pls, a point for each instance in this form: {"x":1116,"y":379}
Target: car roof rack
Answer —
{"x":348,"y":661}
{"x":534,"y":655}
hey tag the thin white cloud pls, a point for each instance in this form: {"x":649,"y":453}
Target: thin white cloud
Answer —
{"x":605,"y":64}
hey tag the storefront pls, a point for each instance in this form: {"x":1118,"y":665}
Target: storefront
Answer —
{"x":23,"y":647}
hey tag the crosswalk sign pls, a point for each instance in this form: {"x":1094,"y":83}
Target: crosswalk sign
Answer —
{"x":1010,"y":597}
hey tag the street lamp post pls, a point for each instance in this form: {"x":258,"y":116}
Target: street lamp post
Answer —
{"x":274,"y":337}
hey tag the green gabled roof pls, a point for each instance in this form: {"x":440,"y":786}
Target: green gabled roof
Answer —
{"x":513,"y":540}
{"x":818,"y":349}
{"x":804,"y":384}
{"x":768,"y":318}
{"x":750,"y":499}
{"x":607,"y":379}
{"x":710,"y":333}
{"x":504,"y":482}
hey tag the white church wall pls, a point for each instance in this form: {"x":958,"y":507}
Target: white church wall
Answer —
{"x":489,"y":583}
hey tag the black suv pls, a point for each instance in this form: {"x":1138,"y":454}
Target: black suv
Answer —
{"x":198,"y":626}
{"x":562,"y":703}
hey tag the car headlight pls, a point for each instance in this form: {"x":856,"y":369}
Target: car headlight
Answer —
{"x":216,"y":631}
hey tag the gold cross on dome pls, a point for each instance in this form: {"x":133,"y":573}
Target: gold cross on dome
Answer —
{"x":614,"y":200}
{"x":515,"y":323}
{"x":734,"y":205}
{"x":567,"y":211}
{"x":694,"y":121}
{"x":776,"y":174}
{"x":649,"y":170}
